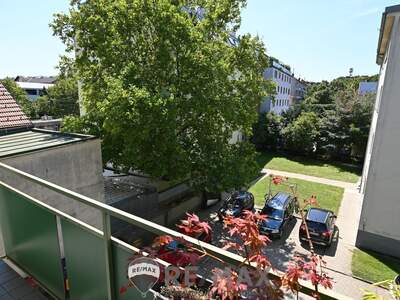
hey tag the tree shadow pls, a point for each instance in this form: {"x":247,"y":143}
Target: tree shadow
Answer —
{"x":281,"y":251}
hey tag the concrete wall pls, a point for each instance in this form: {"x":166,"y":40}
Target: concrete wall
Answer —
{"x":76,"y":166}
{"x":379,"y":227}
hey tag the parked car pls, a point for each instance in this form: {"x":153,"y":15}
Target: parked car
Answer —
{"x":321,"y":226}
{"x":176,"y":253}
{"x":279,"y":210}
{"x":236,"y":204}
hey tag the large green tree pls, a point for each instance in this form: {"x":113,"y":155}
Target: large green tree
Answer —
{"x":165,"y":83}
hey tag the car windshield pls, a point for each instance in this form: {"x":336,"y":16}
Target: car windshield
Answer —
{"x":235,"y":202}
{"x":273,"y":213}
{"x":316,"y":226}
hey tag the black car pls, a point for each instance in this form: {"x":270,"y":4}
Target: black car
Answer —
{"x":279,"y":210}
{"x":236,"y":204}
{"x":321,"y":226}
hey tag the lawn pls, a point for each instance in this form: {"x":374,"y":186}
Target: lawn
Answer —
{"x":328,"y":197}
{"x":373,"y":266}
{"x":306,"y":166}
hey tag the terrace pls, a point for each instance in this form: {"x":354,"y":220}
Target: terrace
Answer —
{"x":95,"y":261}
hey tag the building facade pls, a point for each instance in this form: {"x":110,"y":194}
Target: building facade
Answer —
{"x":289,"y":90}
{"x":379,"y":227}
{"x":35,"y":86}
{"x":367,"y":87}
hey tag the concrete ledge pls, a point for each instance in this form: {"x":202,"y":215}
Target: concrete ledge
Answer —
{"x":378,"y":243}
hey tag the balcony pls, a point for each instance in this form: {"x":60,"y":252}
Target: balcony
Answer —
{"x":58,"y":250}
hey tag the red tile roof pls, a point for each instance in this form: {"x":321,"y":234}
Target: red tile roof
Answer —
{"x":11,"y":114}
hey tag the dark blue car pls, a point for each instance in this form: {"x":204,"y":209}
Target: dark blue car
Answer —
{"x":279,"y":210}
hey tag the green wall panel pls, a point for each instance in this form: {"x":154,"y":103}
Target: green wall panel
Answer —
{"x":30,"y":239}
{"x":85,"y":260}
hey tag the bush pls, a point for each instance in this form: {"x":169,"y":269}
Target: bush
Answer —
{"x":301,"y":135}
{"x":267,"y":132}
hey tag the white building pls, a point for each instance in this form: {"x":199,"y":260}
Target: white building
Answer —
{"x":35,"y":86}
{"x":367,"y":87}
{"x":289,"y":90}
{"x":34,"y":89}
{"x":379,"y":227}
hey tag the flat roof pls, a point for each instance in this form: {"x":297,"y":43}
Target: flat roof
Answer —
{"x":36,"y":139}
{"x":33,"y":85}
{"x":385,"y":31}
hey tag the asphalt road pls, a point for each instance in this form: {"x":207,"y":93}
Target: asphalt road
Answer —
{"x":280,"y":251}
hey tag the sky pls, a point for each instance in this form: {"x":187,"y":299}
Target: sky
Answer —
{"x":320,"y":39}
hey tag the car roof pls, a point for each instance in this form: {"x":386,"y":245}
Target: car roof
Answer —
{"x":279,"y":201}
{"x":240,"y":195}
{"x":318,"y":215}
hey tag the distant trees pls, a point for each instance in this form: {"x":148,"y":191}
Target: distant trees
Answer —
{"x":20,"y":96}
{"x":301,"y":135}
{"x":267,"y":131}
{"x":332,"y":122}
{"x":59,"y":100}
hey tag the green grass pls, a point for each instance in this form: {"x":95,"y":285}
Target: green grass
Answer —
{"x":373,"y":266}
{"x":312,"y":167}
{"x":328,"y":197}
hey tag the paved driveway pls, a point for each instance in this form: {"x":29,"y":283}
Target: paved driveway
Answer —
{"x":338,"y":255}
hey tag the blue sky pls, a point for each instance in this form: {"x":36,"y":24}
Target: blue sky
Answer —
{"x":320,"y":39}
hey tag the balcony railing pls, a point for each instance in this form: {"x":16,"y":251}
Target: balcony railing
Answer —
{"x":95,"y":262}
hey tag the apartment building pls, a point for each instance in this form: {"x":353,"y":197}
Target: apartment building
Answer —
{"x":379,"y":227}
{"x":35,"y":86}
{"x":289,"y":90}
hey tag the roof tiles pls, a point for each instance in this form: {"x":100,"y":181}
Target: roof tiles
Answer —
{"x":11,"y":114}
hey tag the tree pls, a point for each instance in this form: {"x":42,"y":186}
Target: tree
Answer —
{"x":355,"y":114}
{"x":301,"y":136}
{"x":344,"y":117}
{"x":19,"y":96}
{"x":267,"y":131}
{"x":60,"y":100}
{"x":167,"y":82}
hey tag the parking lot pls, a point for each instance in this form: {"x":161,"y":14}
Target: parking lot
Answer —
{"x":279,"y":251}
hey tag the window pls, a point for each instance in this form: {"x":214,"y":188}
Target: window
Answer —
{"x":275,"y":74}
{"x":31,"y":92}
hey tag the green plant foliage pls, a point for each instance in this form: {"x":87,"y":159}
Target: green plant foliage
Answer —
{"x":267,"y":131}
{"x":301,"y":135}
{"x":339,"y":126}
{"x":19,"y":96}
{"x":60,"y":100}
{"x":166,"y":83}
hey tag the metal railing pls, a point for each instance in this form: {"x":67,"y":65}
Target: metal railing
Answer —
{"x":109,"y":211}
